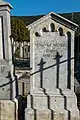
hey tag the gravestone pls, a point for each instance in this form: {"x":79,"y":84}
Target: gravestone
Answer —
{"x":52,"y":70}
{"x":7,"y":79}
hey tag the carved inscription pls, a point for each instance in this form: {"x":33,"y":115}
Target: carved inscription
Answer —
{"x":51,"y":44}
{"x":50,"y":49}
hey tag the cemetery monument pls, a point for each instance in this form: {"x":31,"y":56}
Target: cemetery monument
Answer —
{"x":52,"y":94}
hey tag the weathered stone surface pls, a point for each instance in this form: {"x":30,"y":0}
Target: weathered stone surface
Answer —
{"x":57,"y":103}
{"x":4,"y":68}
{"x":7,"y":110}
{"x":5,"y":80}
{"x":29,"y":114}
{"x":45,"y":51}
{"x":58,"y":116}
{"x":43,"y":114}
{"x":75,"y":118}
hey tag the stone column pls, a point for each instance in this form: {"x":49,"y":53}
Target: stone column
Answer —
{"x":7,"y":78}
{"x":6,"y":41}
{"x":5,"y":13}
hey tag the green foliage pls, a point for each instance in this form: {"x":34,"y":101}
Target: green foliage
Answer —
{"x":19,"y":30}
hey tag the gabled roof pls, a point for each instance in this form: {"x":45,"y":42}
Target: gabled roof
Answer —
{"x":75,"y":17}
{"x":55,"y":17}
{"x":3,"y":3}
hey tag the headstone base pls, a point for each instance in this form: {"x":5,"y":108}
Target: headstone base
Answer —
{"x":53,"y":107}
{"x":34,"y":114}
{"x":46,"y":114}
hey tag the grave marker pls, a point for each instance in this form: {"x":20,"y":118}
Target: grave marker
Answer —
{"x":52,"y":73}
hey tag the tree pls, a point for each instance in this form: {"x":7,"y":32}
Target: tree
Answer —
{"x":19,"y":30}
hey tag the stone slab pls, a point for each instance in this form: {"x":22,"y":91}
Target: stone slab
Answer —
{"x":5,"y":80}
{"x":29,"y":114}
{"x":43,"y":114}
{"x":58,"y":116}
{"x":7,"y":110}
{"x":33,"y":114}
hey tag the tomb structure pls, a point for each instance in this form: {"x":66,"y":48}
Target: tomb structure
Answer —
{"x":52,"y":94}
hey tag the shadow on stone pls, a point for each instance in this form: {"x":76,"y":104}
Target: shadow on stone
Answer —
{"x":65,"y":104}
{"x":21,"y":107}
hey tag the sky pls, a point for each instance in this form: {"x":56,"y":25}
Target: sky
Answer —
{"x":38,"y":7}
